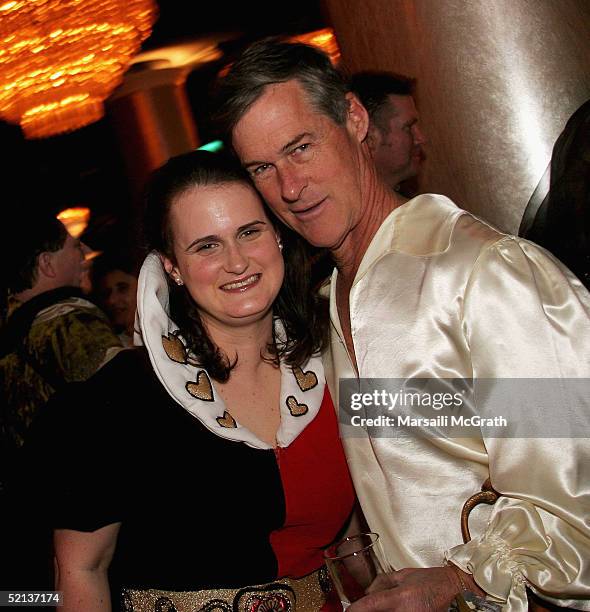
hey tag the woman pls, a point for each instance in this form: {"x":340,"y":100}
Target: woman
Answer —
{"x":114,"y":282}
{"x":223,"y":469}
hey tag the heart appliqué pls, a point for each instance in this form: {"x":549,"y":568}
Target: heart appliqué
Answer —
{"x":272,"y":598}
{"x":295,"y":408}
{"x":306,"y":380}
{"x":227,"y":420}
{"x":201,"y":389}
{"x":274,"y":603}
{"x":174,"y":348}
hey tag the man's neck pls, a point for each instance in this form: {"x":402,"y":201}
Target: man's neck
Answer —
{"x":28,"y":294}
{"x":37,"y":289}
{"x":378,"y":202}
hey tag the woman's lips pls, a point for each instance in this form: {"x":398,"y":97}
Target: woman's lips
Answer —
{"x":242,"y":284}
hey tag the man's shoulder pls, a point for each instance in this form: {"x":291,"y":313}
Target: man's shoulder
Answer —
{"x":71,"y":306}
{"x":430,"y":224}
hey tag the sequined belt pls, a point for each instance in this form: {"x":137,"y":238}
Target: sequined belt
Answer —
{"x":306,"y":594}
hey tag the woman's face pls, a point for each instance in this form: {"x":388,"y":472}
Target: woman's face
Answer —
{"x":226,"y":252}
{"x":118,"y":293}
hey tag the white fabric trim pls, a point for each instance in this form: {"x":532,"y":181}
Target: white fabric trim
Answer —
{"x":154,"y":323}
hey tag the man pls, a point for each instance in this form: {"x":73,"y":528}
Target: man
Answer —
{"x":425,"y":290}
{"x":52,"y":334}
{"x":395,"y":137}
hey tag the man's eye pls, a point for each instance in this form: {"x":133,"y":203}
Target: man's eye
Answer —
{"x":260,"y":170}
{"x":302,"y":148}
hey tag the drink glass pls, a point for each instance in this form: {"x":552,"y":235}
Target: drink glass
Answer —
{"x":354,"y":563}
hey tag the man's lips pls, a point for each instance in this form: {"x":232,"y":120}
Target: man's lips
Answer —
{"x":241,"y":284}
{"x":309,"y":210}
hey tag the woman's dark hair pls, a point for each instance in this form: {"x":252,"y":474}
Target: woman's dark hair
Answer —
{"x":302,"y":312}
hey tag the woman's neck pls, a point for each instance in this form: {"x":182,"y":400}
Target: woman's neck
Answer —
{"x":249,"y":343}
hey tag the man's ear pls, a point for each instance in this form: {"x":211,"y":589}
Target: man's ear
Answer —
{"x":373,"y":137}
{"x":45,"y":264}
{"x":357,"y":118}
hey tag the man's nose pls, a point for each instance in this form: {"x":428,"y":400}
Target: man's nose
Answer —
{"x":419,"y":137}
{"x":292,"y":182}
{"x":236,"y":261}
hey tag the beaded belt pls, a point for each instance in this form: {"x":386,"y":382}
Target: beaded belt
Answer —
{"x":306,"y":594}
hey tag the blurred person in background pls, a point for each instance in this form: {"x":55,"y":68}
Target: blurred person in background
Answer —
{"x":395,"y":137}
{"x":562,"y":222}
{"x":114,"y":283}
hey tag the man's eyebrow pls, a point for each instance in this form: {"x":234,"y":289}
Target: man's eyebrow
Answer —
{"x":286,"y":147}
{"x":295,"y":141}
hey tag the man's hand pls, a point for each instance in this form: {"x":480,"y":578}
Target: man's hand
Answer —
{"x":414,"y":590}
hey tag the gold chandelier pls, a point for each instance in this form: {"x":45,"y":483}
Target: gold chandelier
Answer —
{"x":60,"y":59}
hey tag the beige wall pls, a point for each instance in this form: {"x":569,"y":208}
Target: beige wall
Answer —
{"x":497,"y":80}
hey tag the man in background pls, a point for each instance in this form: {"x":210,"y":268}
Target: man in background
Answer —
{"x":52,"y":334}
{"x":395,"y":137}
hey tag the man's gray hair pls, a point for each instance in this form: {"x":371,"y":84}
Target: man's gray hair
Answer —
{"x":272,"y":61}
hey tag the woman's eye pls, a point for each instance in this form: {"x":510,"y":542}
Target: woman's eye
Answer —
{"x":249,"y":233}
{"x":206,"y":247}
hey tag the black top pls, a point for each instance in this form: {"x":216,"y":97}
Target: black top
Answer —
{"x":198,"y":511}
{"x":133,"y":455}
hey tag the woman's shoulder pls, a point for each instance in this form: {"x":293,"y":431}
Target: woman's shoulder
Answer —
{"x":109,"y":394}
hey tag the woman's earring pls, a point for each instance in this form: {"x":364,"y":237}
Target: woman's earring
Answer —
{"x":177,"y":279}
{"x":280,"y":244}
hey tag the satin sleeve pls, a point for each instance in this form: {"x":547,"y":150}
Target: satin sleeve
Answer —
{"x":526,"y":316}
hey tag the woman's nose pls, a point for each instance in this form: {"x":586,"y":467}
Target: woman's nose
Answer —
{"x":236,"y":260}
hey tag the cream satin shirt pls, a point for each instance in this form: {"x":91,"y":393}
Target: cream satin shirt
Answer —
{"x":441,"y":294}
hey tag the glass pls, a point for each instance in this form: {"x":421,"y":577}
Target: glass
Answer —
{"x":354,"y":563}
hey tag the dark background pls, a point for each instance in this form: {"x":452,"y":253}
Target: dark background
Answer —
{"x":84,"y":168}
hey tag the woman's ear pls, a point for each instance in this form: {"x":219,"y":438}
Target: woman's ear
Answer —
{"x":171,"y":269}
{"x":278,"y":239}
{"x":166,"y":263}
{"x":357,"y":118}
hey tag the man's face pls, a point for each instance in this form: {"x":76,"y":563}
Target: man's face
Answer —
{"x":396,"y":140}
{"x":69,"y":262}
{"x":304,"y":165}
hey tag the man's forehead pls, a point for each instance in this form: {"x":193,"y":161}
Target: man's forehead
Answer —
{"x":399,"y":104}
{"x":274,"y":119}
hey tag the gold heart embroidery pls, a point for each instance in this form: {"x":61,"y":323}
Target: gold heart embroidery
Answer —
{"x":306,"y":380}
{"x":201,"y":389}
{"x":174,"y":348}
{"x":227,"y":420}
{"x":295,"y":408}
